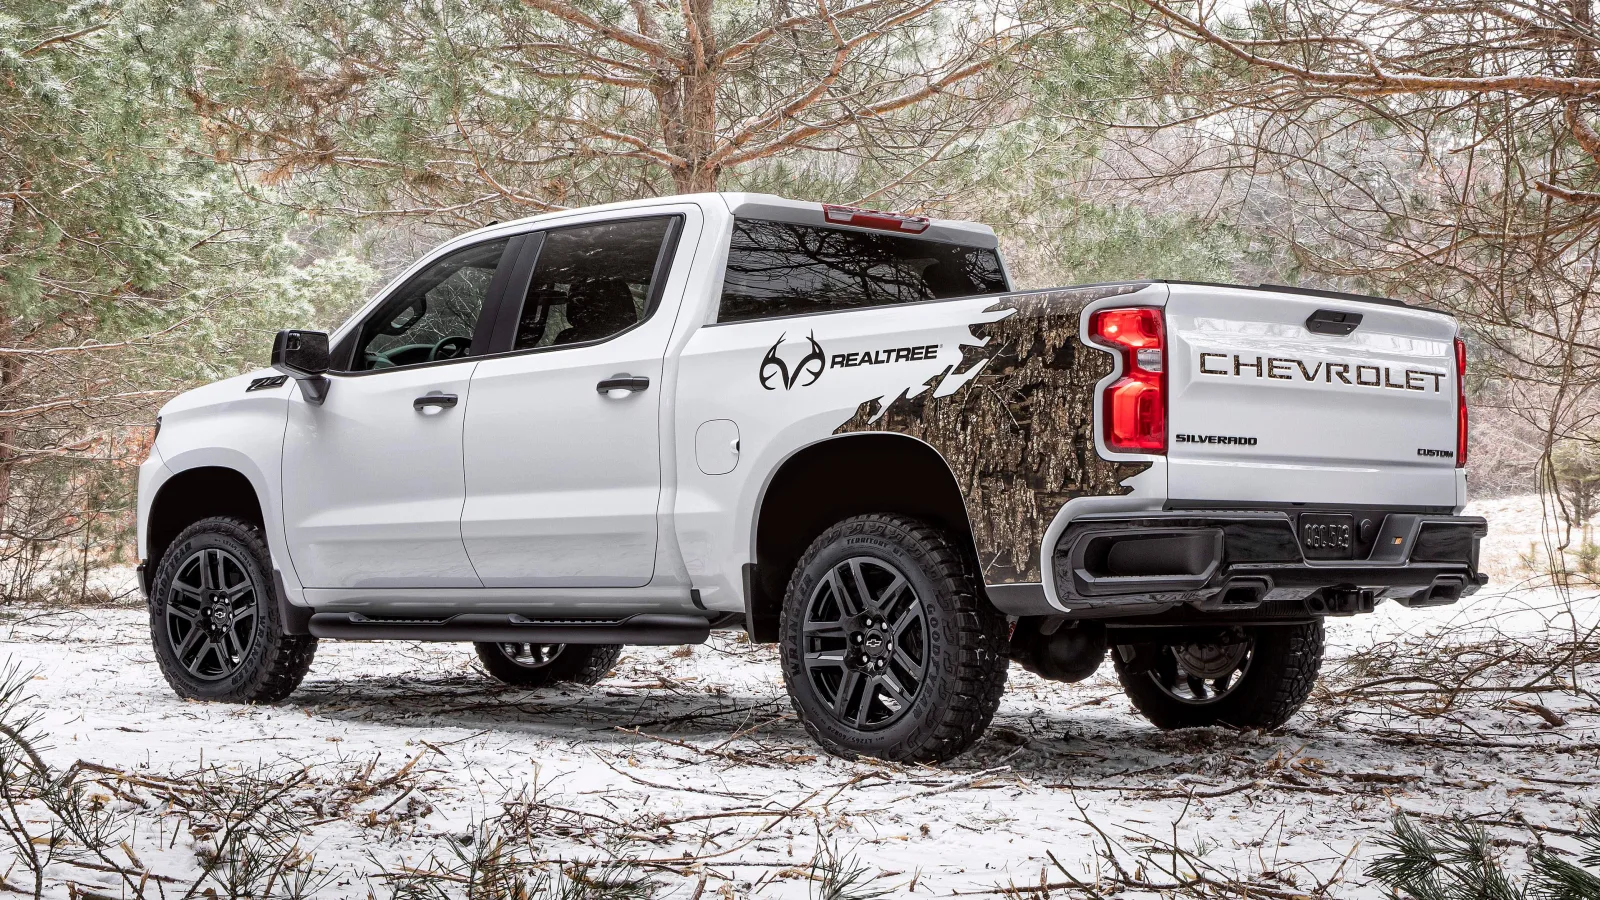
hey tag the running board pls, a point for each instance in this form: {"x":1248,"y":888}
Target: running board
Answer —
{"x":648,"y":628}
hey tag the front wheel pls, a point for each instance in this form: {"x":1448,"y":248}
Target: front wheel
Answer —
{"x":214,"y":618}
{"x":535,"y":665}
{"x":1245,"y":678}
{"x":888,"y":649}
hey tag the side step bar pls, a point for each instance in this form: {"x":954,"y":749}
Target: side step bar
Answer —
{"x":648,"y":628}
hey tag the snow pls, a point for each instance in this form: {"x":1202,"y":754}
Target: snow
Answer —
{"x":689,"y":762}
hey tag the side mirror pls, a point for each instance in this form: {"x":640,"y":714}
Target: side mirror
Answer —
{"x":303,"y":355}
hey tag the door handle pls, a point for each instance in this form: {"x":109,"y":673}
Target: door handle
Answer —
{"x":624,"y":384}
{"x":438,"y":400}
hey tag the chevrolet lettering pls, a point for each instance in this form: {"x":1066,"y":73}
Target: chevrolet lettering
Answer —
{"x":1281,"y":368}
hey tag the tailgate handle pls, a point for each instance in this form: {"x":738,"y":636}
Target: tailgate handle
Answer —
{"x":1332,"y":321}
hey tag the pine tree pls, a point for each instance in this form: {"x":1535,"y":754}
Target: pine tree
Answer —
{"x":129,"y":265}
{"x":1457,"y":861}
{"x":462,"y":111}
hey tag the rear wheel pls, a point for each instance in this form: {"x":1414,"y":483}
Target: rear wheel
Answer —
{"x":534,"y":665}
{"x":1246,"y":678}
{"x":888,"y":650}
{"x":215,"y":622}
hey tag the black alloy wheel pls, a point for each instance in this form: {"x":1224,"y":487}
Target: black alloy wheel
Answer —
{"x":211,"y":613}
{"x":866,"y":636}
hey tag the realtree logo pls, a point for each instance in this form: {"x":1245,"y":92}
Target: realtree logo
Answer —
{"x":774,"y":371}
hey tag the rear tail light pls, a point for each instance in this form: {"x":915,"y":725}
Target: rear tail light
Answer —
{"x":1135,"y":411}
{"x":1461,"y":403}
{"x":871,"y":218}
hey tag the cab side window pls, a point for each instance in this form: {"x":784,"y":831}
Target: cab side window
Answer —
{"x":433,"y":316}
{"x":594,"y":281}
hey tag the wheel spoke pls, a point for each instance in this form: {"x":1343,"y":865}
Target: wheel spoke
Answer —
{"x":1197,"y":687}
{"x":906,"y":619}
{"x":191,"y":640}
{"x":826,"y":659}
{"x":186,"y":615}
{"x":849,"y":605}
{"x":865,"y":709}
{"x":847,"y":687}
{"x":864,"y":596}
{"x":187,"y":591}
{"x":825,"y":629}
{"x":885,"y":601}
{"x":906,"y":662}
{"x":234,"y":649}
{"x":891,"y":686}
{"x":208,"y":577}
{"x":205,"y":648}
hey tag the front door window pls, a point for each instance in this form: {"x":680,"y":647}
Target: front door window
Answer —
{"x":433,"y":316}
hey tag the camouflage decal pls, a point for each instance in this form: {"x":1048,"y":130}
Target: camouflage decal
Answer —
{"x":1017,"y":461}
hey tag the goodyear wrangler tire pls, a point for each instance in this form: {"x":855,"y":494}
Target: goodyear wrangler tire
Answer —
{"x":888,"y":648}
{"x":536,"y":665}
{"x":1259,"y":678}
{"x":215,"y":620}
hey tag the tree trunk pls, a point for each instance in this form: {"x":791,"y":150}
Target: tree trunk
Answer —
{"x":686,"y":103}
{"x":10,"y":368}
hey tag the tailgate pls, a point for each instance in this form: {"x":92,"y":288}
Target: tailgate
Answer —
{"x":1263,"y":409}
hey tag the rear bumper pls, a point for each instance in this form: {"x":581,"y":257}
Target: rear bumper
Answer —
{"x":1108,"y":565}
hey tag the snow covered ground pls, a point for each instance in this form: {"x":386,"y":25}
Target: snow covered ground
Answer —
{"x":689,"y":763}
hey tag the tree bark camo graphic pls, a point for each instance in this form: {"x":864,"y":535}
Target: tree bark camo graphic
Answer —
{"x":1020,"y":435}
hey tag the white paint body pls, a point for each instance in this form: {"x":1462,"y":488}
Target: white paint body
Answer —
{"x":537,"y":492}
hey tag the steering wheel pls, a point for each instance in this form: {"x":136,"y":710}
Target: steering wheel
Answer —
{"x":450,"y":348}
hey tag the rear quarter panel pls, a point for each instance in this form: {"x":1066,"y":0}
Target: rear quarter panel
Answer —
{"x":1001,"y":386}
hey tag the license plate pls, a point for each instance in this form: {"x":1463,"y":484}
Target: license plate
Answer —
{"x":1327,"y":535}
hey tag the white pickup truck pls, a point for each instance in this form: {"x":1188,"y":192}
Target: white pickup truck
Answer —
{"x":837,"y":429}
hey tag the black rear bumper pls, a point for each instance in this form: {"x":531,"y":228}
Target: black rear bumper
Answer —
{"x":1236,"y":561}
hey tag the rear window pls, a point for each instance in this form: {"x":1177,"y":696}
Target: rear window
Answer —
{"x":785,"y":269}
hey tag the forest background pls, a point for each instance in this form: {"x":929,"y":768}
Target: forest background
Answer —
{"x":179,"y":179}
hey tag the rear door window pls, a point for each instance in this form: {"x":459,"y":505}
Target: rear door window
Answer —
{"x":594,"y":281}
{"x":786,"y":269}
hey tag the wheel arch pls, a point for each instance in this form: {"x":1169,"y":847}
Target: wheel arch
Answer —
{"x":194,"y":494}
{"x":832,"y":479}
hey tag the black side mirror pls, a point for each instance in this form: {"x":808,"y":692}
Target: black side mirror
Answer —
{"x":303,"y":355}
